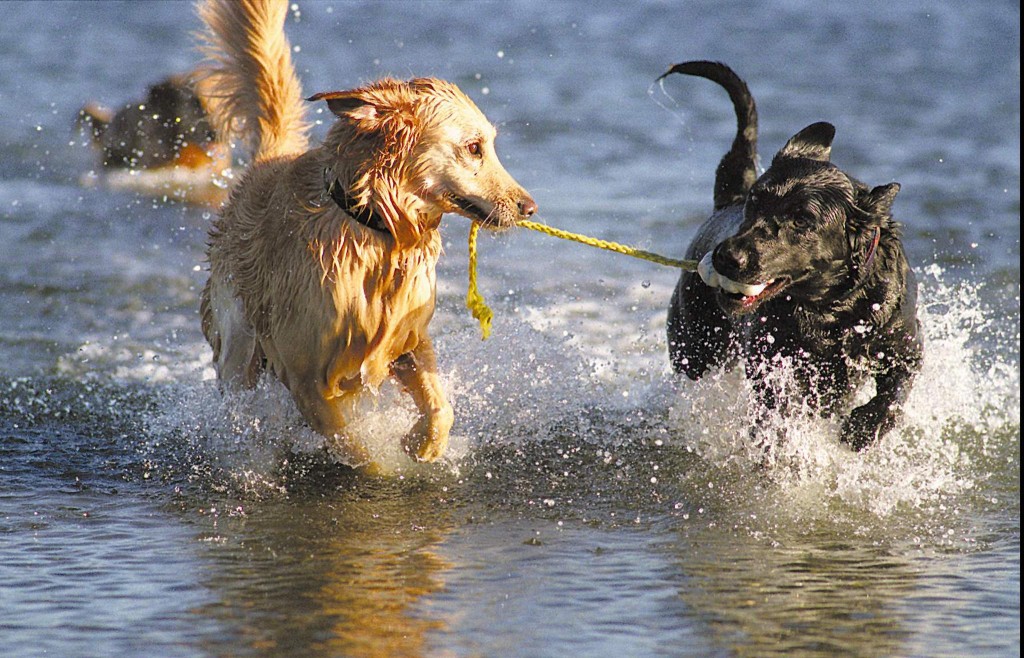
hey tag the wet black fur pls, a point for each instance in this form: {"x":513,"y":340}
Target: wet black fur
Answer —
{"x":810,"y":226}
{"x":150,"y":133}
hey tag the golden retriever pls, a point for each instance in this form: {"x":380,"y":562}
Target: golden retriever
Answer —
{"x":322,"y":262}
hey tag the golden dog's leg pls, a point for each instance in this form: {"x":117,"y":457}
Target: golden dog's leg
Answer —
{"x":417,"y":370}
{"x":329,"y":416}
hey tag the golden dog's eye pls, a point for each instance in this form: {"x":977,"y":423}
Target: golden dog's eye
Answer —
{"x":474,"y":148}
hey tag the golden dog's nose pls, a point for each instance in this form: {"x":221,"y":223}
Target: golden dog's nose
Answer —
{"x":527,"y":206}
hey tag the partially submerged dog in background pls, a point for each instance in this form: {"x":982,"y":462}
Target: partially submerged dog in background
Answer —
{"x":804,"y":262}
{"x":322,"y":263}
{"x":162,"y":144}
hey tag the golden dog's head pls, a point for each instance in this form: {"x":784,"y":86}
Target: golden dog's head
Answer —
{"x":414,"y":150}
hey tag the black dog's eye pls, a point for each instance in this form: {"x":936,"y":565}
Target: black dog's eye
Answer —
{"x":804,"y":219}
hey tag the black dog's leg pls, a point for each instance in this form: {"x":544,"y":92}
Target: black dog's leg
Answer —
{"x":901,"y":354}
{"x":873,"y":419}
{"x":766,"y":401}
{"x":819,"y":379}
{"x":700,"y":336}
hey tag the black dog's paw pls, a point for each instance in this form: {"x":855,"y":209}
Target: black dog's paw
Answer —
{"x":865,"y":424}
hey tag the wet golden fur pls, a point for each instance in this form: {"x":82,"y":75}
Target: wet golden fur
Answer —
{"x":297,"y":285}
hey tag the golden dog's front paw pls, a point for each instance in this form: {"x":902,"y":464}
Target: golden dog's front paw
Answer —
{"x":428,"y":439}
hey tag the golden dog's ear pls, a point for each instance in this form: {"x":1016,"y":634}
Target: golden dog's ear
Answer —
{"x":348,"y":105}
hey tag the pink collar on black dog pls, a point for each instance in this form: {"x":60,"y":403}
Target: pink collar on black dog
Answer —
{"x":874,"y":247}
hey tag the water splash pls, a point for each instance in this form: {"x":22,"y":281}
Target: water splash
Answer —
{"x":959,"y":404}
{"x":531,"y":387}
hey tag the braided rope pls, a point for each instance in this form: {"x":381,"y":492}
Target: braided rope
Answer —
{"x":475,"y":301}
{"x":690,"y":265}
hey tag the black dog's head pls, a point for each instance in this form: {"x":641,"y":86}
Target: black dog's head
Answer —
{"x":808,"y":230}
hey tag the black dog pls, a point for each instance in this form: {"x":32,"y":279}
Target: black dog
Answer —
{"x":162,"y":145}
{"x":804,"y":262}
{"x":155,"y":132}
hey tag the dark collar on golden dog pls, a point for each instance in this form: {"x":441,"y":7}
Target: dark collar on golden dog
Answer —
{"x":346,"y":202}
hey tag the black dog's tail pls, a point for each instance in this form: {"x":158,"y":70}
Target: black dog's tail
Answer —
{"x":737,"y":170}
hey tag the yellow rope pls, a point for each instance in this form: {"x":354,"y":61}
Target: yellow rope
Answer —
{"x":690,"y":265}
{"x":475,"y":301}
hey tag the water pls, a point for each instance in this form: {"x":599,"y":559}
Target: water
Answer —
{"x":592,"y":504}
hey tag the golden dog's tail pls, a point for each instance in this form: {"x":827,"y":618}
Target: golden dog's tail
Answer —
{"x":255,"y":95}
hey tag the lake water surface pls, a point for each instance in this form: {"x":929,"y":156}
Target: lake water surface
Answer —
{"x":593,"y":504}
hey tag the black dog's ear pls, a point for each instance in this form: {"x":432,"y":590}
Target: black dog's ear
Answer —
{"x":872,"y":214}
{"x":878,"y":202}
{"x":813,"y":143}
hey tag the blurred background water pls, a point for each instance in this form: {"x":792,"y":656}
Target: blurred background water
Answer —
{"x":593,"y":504}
